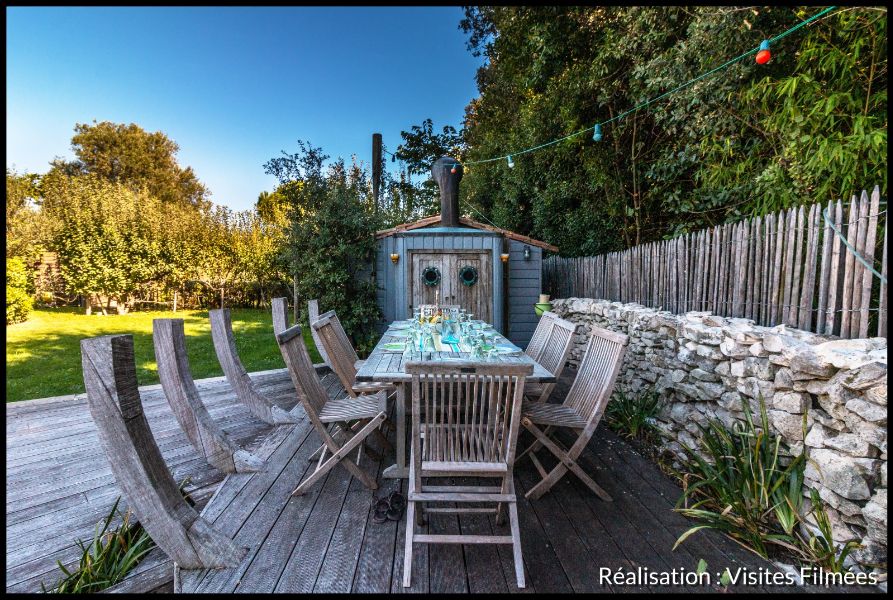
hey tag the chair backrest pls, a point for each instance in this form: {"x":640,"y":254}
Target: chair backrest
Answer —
{"x":553,"y":344}
{"x":470,"y":411}
{"x":313,"y":315}
{"x":538,"y":339}
{"x":342,"y":356}
{"x":310,"y":392}
{"x":592,"y":387}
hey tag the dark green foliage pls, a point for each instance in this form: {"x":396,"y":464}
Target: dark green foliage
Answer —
{"x":737,"y":482}
{"x":809,"y":126}
{"x":632,"y":416}
{"x":18,"y":299}
{"x":331,"y":238}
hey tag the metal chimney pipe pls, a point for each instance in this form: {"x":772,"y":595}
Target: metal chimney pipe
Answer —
{"x":441,"y":172}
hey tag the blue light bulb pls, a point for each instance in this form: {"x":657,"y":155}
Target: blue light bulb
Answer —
{"x":511,"y":162}
{"x":597,"y":134}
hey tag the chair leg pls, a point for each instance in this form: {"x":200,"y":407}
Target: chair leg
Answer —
{"x":407,"y":546}
{"x":516,"y":544}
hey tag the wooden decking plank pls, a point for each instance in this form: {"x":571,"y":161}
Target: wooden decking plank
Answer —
{"x":268,"y":506}
{"x":374,"y":564}
{"x":446,"y":563}
{"x":482,"y":563}
{"x":302,"y":567}
{"x":562,"y":534}
{"x":419,"y":581}
{"x":342,"y":556}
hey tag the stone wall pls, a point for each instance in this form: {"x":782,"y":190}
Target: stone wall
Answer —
{"x":705,"y":366}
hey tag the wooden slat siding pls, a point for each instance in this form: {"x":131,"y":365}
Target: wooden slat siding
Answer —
{"x":809,"y":265}
{"x":870,"y":222}
{"x":882,"y":306}
{"x":858,"y":268}
{"x":846,"y":304}
{"x":524,"y":286}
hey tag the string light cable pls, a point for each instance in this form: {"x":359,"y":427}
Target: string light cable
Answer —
{"x":850,"y":247}
{"x":763,"y":56}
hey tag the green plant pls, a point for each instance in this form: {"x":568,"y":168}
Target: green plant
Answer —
{"x":110,"y":555}
{"x":632,"y":416}
{"x":108,"y":558}
{"x":821,"y":548}
{"x":736,"y":484}
{"x":18,"y":301}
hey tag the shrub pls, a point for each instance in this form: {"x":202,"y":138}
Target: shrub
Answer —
{"x":633,"y":416}
{"x":18,"y":301}
{"x":735,"y":482}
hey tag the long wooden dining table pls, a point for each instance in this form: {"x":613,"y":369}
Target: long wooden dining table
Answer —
{"x":387,"y":366}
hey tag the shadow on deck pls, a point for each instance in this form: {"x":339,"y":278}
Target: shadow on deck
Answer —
{"x":59,"y":484}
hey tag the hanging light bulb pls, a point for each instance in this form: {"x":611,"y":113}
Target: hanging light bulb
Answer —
{"x":393,"y":158}
{"x":764,"y":54}
{"x":511,"y":162}
{"x":453,"y":170}
{"x":597,"y":133}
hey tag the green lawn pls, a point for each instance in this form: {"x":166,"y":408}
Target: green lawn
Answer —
{"x":43,"y":356}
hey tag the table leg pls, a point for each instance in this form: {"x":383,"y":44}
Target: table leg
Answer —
{"x":399,"y":470}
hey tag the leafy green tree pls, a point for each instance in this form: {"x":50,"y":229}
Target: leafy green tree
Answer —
{"x":421,"y":146}
{"x":331,"y":236}
{"x":810,"y":125}
{"x":105,"y":236}
{"x":18,"y":299}
{"x":130,"y":155}
{"x":23,"y":217}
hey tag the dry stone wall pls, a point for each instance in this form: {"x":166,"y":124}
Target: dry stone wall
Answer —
{"x":824,"y":394}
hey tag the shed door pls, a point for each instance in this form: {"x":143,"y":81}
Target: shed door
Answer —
{"x":477,"y":298}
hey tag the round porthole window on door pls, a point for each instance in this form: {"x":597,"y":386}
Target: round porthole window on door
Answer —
{"x":431,"y":276}
{"x":468,"y":275}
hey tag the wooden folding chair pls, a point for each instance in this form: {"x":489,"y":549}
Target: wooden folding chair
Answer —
{"x":342,"y":357}
{"x":465,"y":423}
{"x":313,"y":315}
{"x":550,"y":346}
{"x":581,"y":411}
{"x":367,"y":413}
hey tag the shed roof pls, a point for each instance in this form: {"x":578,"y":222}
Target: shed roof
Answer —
{"x":433,"y":220}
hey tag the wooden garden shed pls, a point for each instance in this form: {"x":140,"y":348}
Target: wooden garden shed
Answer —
{"x":493,"y":272}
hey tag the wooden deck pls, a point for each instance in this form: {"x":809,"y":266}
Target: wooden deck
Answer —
{"x":59,"y":484}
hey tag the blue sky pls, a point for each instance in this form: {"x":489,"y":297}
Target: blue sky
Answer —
{"x":233,"y":86}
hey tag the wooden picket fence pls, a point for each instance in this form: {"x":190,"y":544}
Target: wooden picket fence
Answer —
{"x":788,"y":267}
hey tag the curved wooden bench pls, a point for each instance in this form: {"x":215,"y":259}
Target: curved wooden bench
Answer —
{"x":113,"y":397}
{"x":183,"y":397}
{"x":228,"y":356}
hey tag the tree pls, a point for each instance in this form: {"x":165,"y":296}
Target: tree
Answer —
{"x":810,"y":125}
{"x":129,"y":155}
{"x":106,"y":236}
{"x":23,"y":217}
{"x":331,"y":236}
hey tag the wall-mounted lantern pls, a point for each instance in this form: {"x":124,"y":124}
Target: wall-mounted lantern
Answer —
{"x":504,"y":257}
{"x":394,"y":258}
{"x":526,"y":252}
